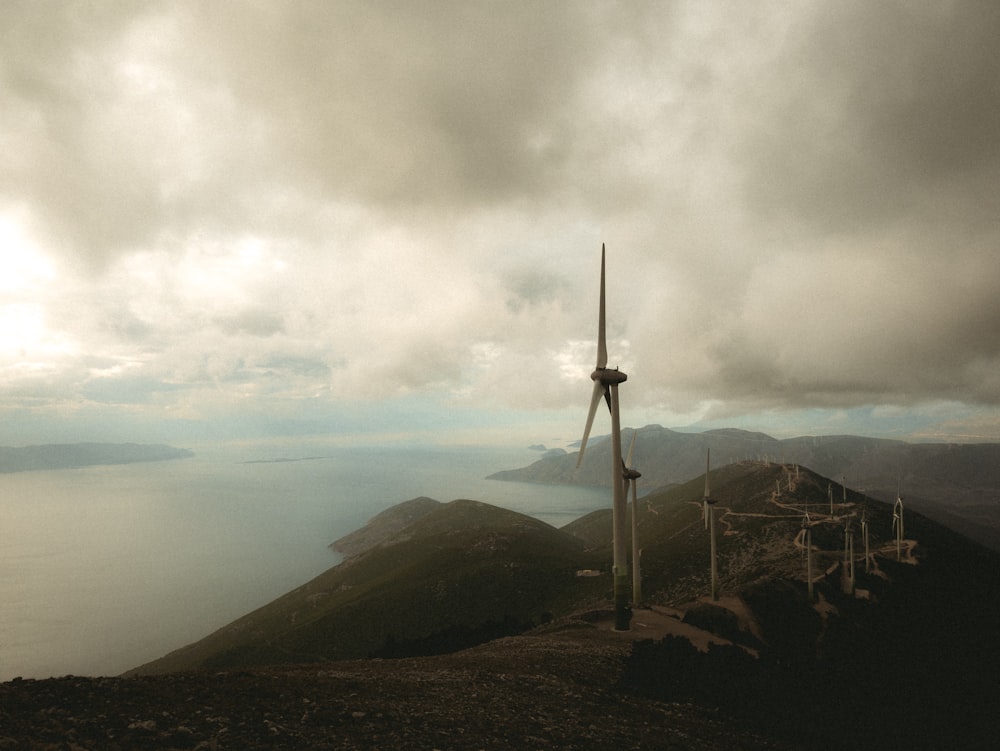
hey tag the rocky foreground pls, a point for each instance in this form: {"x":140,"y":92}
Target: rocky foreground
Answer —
{"x":564,"y":689}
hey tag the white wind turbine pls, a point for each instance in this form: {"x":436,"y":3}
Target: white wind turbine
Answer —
{"x":864,"y":535}
{"x":848,"y":558}
{"x":606,"y":382}
{"x":708,"y":510}
{"x":807,"y":545}
{"x":897,"y":523}
{"x":630,"y":476}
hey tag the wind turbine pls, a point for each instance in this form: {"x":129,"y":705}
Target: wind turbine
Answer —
{"x":630,"y":476}
{"x":897,"y":523}
{"x":864,"y":535}
{"x":606,"y":382}
{"x":706,"y":498}
{"x":708,"y":509}
{"x":807,"y":544}
{"x":848,"y":558}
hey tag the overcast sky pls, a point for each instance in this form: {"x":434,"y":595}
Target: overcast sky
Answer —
{"x":237,"y":219}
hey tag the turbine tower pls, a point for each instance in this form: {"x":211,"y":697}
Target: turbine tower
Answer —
{"x":897,"y":523}
{"x":630,"y":476}
{"x":864,"y":535}
{"x":707,"y":498}
{"x":807,"y":544}
{"x":848,"y":558}
{"x":606,"y":382}
{"x":708,"y":509}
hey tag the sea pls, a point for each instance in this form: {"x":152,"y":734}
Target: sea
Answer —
{"x":105,"y":568}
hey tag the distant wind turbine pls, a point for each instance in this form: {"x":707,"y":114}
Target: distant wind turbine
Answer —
{"x":631,"y":476}
{"x":864,"y":535}
{"x":848,"y":558}
{"x":807,"y":544}
{"x":606,"y":382}
{"x":708,"y":509}
{"x":897,"y":523}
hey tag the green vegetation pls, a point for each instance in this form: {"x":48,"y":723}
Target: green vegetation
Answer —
{"x":464,"y":568}
{"x":433,"y":578}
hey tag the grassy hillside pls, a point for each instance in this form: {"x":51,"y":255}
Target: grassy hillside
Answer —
{"x":461,"y":574}
{"x":464,"y":572}
{"x":383,"y":526}
{"x":914,"y":639}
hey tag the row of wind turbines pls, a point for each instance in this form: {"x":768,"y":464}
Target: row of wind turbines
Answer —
{"x":624,"y":479}
{"x":849,"y":557}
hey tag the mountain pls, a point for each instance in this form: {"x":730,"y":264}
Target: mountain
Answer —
{"x":68,"y":455}
{"x":384,"y":526}
{"x":956,"y":484}
{"x":489,"y":636}
{"x":905,"y":655}
{"x":461,"y":573}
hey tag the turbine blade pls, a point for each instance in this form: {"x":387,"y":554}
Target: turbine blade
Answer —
{"x":594,"y":400}
{"x":607,"y":396}
{"x":602,"y":344}
{"x":631,"y":447}
{"x":708,"y":464}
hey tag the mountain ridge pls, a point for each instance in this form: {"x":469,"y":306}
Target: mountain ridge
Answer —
{"x":958,"y":484}
{"x":487,"y":634}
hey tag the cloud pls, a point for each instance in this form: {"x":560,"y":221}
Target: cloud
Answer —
{"x":895,"y":111}
{"x":220,"y":208}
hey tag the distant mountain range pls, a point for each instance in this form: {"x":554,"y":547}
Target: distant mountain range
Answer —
{"x":902,"y":656}
{"x":67,"y":455}
{"x":956,"y":484}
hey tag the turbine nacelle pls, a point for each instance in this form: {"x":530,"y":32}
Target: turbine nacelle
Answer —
{"x":631,"y":474}
{"x":608,"y":376}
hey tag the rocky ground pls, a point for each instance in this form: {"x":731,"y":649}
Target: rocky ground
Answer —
{"x":561,"y":689}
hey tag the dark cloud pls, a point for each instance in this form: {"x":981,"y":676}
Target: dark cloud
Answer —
{"x":879,"y":112}
{"x":303,"y":200}
{"x":70,"y":154}
{"x":412,"y":103}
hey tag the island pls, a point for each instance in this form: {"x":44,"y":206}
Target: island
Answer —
{"x":71,"y":455}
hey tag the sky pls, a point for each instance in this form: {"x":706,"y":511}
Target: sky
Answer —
{"x":382,"y":221}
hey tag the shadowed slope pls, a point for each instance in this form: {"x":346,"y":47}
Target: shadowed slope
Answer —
{"x":463,"y":573}
{"x":956,"y":484}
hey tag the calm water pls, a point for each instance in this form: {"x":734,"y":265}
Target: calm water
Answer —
{"x":104,"y":568}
